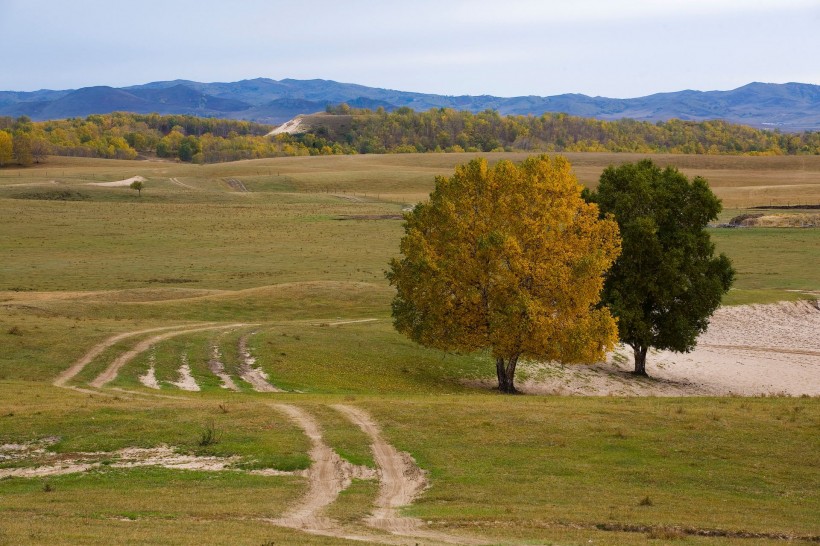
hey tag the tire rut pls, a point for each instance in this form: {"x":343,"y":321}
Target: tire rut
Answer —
{"x":110,"y":373}
{"x":401,"y":481}
{"x":248,"y":371}
{"x":67,"y":375}
{"x":328,"y":476}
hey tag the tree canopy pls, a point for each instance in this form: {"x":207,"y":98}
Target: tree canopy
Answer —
{"x":667,"y":282}
{"x":137,"y":185}
{"x":509,"y":259}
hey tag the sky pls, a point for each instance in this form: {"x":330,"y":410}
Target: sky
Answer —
{"x":612,"y":48}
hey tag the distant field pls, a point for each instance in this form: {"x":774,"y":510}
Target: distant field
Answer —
{"x":291,"y":252}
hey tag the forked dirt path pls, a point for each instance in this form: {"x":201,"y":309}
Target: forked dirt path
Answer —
{"x":328,"y":475}
{"x":401,"y":482}
{"x":97,"y":349}
{"x":110,"y":373}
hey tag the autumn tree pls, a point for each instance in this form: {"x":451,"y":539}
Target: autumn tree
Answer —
{"x":6,"y":148}
{"x":22,"y":149}
{"x":509,"y":259}
{"x":137,"y":185}
{"x":667,"y":281}
{"x":39,"y":149}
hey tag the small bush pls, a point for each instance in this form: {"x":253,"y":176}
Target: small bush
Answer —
{"x":14,"y":331}
{"x":209,"y":436}
{"x":48,"y":488}
{"x":646,"y":501}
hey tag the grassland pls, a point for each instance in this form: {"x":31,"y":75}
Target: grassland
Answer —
{"x":82,"y":263}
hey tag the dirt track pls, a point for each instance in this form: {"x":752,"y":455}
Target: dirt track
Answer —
{"x":110,"y":373}
{"x":400,"y":482}
{"x":97,"y":349}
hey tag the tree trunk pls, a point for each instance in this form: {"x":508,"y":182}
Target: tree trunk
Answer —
{"x":640,"y":360}
{"x":506,"y":374}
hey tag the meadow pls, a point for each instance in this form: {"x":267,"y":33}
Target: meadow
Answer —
{"x":288,"y":264}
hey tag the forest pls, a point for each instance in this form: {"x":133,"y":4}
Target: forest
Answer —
{"x":343,"y":130}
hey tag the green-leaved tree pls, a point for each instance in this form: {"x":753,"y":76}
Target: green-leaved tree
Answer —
{"x":667,"y":281}
{"x":508,"y":259}
{"x":137,"y":185}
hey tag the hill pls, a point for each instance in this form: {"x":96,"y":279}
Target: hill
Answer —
{"x":788,"y":107}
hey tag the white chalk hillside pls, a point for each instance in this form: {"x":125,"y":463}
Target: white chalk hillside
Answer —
{"x":290,"y":127}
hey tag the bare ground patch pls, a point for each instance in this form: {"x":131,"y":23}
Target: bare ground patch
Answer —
{"x":248,"y":370}
{"x":748,"y":350}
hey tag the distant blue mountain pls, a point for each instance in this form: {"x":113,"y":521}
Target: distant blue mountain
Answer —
{"x":788,"y":107}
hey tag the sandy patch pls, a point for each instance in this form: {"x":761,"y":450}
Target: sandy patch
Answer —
{"x":118,"y":183}
{"x":290,"y":127}
{"x":150,"y":378}
{"x":186,"y":381}
{"x":250,"y":372}
{"x":218,"y":369}
{"x":55,"y":464}
{"x":748,"y":350}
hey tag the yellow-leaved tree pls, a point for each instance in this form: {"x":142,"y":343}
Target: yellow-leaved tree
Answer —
{"x":509,"y":259}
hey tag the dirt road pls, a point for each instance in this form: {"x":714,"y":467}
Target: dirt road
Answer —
{"x":113,"y":369}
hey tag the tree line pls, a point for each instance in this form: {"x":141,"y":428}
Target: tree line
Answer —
{"x":123,"y":135}
{"x":448,"y":130}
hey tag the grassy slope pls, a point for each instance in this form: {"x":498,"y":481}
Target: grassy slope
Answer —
{"x":555,"y":468}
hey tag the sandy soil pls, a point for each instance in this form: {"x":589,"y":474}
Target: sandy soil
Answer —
{"x":150,"y":378}
{"x":748,"y":350}
{"x":218,"y":369}
{"x":186,"y":381}
{"x":118,"y":183}
{"x":54,"y":464}
{"x":288,"y":127}
{"x":248,"y":370}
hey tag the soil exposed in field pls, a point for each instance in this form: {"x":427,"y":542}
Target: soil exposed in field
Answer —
{"x":748,"y":350}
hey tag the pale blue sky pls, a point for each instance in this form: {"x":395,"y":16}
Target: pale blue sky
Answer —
{"x":611,"y":48}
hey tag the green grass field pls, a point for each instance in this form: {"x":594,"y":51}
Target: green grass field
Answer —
{"x":299,"y":259}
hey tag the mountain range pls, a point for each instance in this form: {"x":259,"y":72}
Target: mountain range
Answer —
{"x":787,"y":107}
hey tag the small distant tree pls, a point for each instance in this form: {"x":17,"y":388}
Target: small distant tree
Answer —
{"x":509,"y":259}
{"x":137,"y":185}
{"x":667,"y":281}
